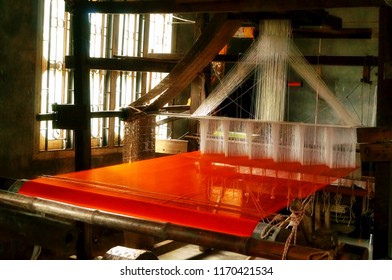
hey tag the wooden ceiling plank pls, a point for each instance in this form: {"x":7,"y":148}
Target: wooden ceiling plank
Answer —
{"x":189,"y":6}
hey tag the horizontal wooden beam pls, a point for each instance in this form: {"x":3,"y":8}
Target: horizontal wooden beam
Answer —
{"x":322,"y":60}
{"x":141,"y":64}
{"x":375,"y":144}
{"x":164,"y":65}
{"x":329,"y":33}
{"x":298,"y":18}
{"x":358,"y":192}
{"x":343,"y":60}
{"x":376,"y":152}
{"x":218,"y":6}
{"x":374,"y":134}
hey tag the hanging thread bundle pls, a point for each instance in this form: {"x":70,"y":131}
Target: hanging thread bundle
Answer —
{"x":308,"y":144}
{"x":268,"y":136}
{"x":271,"y":70}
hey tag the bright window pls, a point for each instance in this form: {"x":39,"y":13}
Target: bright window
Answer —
{"x":124,"y":35}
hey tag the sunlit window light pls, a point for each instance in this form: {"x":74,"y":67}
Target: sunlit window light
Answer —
{"x":111,"y":36}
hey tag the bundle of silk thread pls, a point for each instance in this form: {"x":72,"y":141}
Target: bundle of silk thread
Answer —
{"x":267,"y":135}
{"x":308,"y":144}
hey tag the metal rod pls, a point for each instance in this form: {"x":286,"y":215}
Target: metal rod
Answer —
{"x":243,"y":245}
{"x":99,"y":114}
{"x":114,"y":113}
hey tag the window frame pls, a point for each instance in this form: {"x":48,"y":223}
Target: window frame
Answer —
{"x":113,"y":144}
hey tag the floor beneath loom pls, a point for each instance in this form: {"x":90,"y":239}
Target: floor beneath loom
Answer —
{"x":194,"y":252}
{"x":170,"y":250}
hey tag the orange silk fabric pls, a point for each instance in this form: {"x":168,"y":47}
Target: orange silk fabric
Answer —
{"x":212,"y":192}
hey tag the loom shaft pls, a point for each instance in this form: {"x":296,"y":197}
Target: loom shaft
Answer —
{"x":246,"y":246}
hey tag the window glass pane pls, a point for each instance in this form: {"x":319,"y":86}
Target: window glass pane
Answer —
{"x":109,"y":90}
{"x":54,"y":76}
{"x":160,"y":42}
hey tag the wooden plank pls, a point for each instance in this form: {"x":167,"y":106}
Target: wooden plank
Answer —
{"x":349,"y":191}
{"x":216,"y":35}
{"x":322,"y":59}
{"x":166,"y":64}
{"x":222,"y":6}
{"x":300,"y":18}
{"x":57,"y":235}
{"x":142,"y":64}
{"x":376,"y":152}
{"x":343,"y":60}
{"x":171,"y":146}
{"x":328,"y":33}
{"x":374,"y":134}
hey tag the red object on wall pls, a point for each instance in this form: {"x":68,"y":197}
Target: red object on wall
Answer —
{"x":294,"y":84}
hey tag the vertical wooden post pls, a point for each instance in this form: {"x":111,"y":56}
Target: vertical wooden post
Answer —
{"x":383,"y":170}
{"x":197,"y":85}
{"x":81,"y":50}
{"x":327,"y":216}
{"x":317,"y":214}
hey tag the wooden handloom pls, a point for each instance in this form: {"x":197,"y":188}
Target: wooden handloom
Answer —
{"x":210,"y":192}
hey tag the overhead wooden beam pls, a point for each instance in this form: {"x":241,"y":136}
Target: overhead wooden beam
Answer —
{"x":343,"y":60}
{"x":376,"y":152}
{"x":329,"y":33}
{"x":375,"y":143}
{"x":315,"y":18}
{"x":321,"y":59}
{"x":146,"y":64}
{"x":218,"y":32}
{"x":298,"y":18}
{"x":374,"y":134}
{"x":142,"y":64}
{"x":221,"y":6}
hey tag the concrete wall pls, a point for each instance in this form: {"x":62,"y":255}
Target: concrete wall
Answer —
{"x":18,"y":33}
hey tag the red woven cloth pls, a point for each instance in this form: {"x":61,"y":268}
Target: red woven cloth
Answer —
{"x":212,"y":192}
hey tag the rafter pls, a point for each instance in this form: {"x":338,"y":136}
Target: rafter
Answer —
{"x":216,"y":35}
{"x":197,"y":6}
